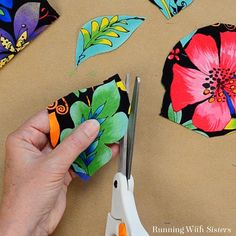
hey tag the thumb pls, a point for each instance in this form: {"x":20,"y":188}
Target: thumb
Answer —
{"x":67,"y":151}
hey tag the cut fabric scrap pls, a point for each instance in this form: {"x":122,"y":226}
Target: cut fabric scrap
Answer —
{"x":20,"y":22}
{"x":170,"y":8}
{"x":105,"y":34}
{"x":108,"y":104}
{"x":200,"y":81}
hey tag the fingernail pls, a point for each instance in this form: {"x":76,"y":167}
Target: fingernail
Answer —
{"x":91,"y":127}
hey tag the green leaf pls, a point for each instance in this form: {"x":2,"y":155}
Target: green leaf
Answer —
{"x":1,"y":12}
{"x":174,"y":116}
{"x":231,"y":125}
{"x":202,"y":133}
{"x":107,"y":95}
{"x":189,"y":124}
{"x":103,"y":156}
{"x":77,"y":93}
{"x":114,"y":128}
{"x":79,"y":111}
{"x":65,"y":133}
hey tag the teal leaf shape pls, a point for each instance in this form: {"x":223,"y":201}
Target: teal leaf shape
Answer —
{"x":104,"y":34}
{"x":174,"y":116}
{"x":113,"y":126}
{"x":189,"y":124}
{"x":186,"y":39}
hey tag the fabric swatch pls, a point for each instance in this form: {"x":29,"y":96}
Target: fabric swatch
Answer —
{"x":200,"y":81}
{"x":108,"y":104}
{"x":170,"y":8}
{"x":20,"y":22}
{"x":105,"y":34}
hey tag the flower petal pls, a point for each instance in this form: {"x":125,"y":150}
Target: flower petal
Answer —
{"x":27,"y":17}
{"x":186,"y":87}
{"x":4,"y":35}
{"x":211,"y":117}
{"x":203,"y":52}
{"x":228,"y":51}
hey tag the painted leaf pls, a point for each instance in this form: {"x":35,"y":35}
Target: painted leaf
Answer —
{"x":231,"y":125}
{"x":4,"y":15}
{"x":107,"y":95}
{"x":186,"y":39}
{"x":114,"y":128}
{"x":189,"y":124}
{"x":174,"y":116}
{"x":104,"y":34}
{"x":79,"y":112}
{"x":103,"y":156}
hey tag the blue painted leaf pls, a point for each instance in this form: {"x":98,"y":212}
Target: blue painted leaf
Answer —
{"x":4,"y":15}
{"x":104,"y":34}
{"x":7,"y":3}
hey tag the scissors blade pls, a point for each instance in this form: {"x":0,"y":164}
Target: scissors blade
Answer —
{"x":132,"y":126}
{"x":123,"y":143}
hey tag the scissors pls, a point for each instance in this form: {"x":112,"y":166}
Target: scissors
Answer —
{"x":123,"y":220}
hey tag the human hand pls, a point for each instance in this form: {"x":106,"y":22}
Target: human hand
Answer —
{"x":36,"y":177}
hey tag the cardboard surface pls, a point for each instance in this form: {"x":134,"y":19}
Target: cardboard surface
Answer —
{"x":181,"y":178}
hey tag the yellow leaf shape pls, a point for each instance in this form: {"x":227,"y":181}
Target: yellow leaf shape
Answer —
{"x":21,"y":40}
{"x":6,"y":43}
{"x":120,"y":28}
{"x":5,"y":60}
{"x":114,"y":19}
{"x":104,"y":23}
{"x":104,"y":42}
{"x":95,"y":27}
{"x":86,"y":36}
{"x":111,"y":34}
{"x":231,"y":125}
{"x":121,"y":85}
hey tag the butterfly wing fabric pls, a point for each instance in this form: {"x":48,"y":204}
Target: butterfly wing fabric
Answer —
{"x":26,"y":21}
{"x":105,"y":34}
{"x":108,"y":104}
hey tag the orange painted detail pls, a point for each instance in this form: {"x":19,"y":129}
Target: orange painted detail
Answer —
{"x":122,"y":230}
{"x":54,"y":129}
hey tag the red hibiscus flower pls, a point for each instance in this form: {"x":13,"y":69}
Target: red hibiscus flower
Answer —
{"x":213,"y":85}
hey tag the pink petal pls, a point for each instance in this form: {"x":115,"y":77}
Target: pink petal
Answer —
{"x":228,"y":51}
{"x":203,"y":52}
{"x":186,"y":87}
{"x":171,"y":57}
{"x":177,"y":51}
{"x":211,"y":117}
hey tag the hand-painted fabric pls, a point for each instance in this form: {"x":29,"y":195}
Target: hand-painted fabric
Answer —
{"x":105,"y":34}
{"x":108,"y":104}
{"x":200,"y":81}
{"x":20,"y":22}
{"x":170,"y":8}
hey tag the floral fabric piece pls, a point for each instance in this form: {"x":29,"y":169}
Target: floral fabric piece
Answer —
{"x":108,"y":104}
{"x":105,"y":34}
{"x":170,"y":8}
{"x":200,"y":81}
{"x":20,"y":22}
